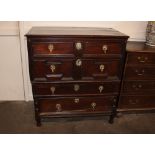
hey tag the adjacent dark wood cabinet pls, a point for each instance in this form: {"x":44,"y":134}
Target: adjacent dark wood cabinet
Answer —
{"x":77,"y":71}
{"x":138,"y":86}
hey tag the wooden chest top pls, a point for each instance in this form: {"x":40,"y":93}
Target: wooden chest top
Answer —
{"x":75,"y":31}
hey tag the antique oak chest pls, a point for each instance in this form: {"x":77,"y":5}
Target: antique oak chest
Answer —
{"x":75,"y":71}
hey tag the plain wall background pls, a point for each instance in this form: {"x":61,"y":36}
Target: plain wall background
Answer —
{"x":14,"y":79}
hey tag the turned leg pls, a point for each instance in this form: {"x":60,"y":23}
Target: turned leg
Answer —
{"x":37,"y":117}
{"x":113,"y":114}
{"x":38,"y":122}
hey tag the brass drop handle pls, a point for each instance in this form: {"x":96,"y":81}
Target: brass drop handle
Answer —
{"x":140,"y":73}
{"x":52,"y":89}
{"x":102,"y":67}
{"x":101,"y":88}
{"x":142,"y":59}
{"x":136,"y":86}
{"x":78,"y":62}
{"x":105,"y":48}
{"x":50,"y":48}
{"x":76,"y":87}
{"x":76,"y":100}
{"x":78,"y":46}
{"x":58,"y":107}
{"x":52,"y":67}
{"x":133,"y":102}
{"x":93,"y":105}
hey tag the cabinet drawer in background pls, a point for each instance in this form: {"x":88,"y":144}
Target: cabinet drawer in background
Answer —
{"x":139,"y":72}
{"x":136,"y":102}
{"x":138,"y":86}
{"x":141,"y":58}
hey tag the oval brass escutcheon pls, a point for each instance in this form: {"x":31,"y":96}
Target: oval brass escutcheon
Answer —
{"x":78,"y":62}
{"x":78,"y":46}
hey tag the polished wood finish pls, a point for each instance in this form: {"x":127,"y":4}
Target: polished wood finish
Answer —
{"x":138,"y":86}
{"x":75,"y":71}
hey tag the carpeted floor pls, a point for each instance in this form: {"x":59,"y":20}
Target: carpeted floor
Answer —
{"x":18,"y":117}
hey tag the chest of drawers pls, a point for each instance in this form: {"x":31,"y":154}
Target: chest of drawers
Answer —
{"x":75,"y":71}
{"x":138,"y":89}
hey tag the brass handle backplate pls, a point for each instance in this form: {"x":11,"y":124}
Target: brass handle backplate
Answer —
{"x":50,"y":48}
{"x":102,"y":67}
{"x":142,"y":59}
{"x":52,"y":67}
{"x":76,"y":100}
{"x":78,"y":46}
{"x":138,"y":86}
{"x":105,"y":48}
{"x":58,"y":107}
{"x":52,"y":90}
{"x":140,"y":72}
{"x":93,"y":105}
{"x":133,"y":101}
{"x":101,"y":88}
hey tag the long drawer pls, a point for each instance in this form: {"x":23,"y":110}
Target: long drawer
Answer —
{"x":138,"y":86}
{"x":128,"y":102}
{"x":70,"y":69}
{"x":139,"y":72}
{"x":68,"y":105}
{"x":75,"y":88}
{"x":76,"y":47}
{"x":141,"y":58}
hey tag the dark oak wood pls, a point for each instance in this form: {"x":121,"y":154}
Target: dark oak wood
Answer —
{"x":76,"y":88}
{"x":62,"y":105}
{"x":138,"y":86}
{"x":75,"y":71}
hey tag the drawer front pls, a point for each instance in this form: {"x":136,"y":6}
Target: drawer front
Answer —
{"x":52,"y":69}
{"x":102,"y":47}
{"x":101,"y":69}
{"x":139,"y":72}
{"x":137,"y":102}
{"x":141,"y":58}
{"x":138,"y":86}
{"x":69,"y":69}
{"x":50,"y":48}
{"x":74,"y":104}
{"x":79,"y":88}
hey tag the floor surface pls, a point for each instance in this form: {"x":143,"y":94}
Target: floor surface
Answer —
{"x":18,"y":117}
